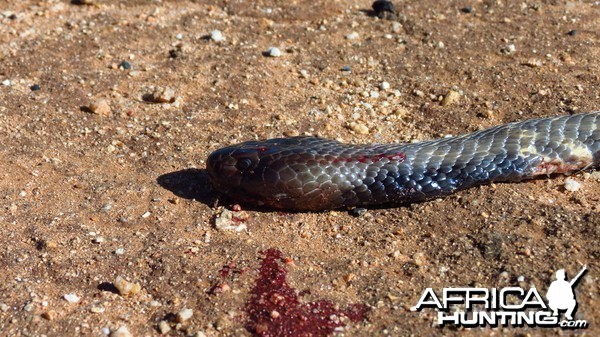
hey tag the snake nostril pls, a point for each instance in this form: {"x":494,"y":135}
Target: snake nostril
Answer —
{"x":243,"y":164}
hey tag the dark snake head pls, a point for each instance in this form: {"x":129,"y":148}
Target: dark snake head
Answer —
{"x":272,"y":173}
{"x":244,"y":172}
{"x":231,"y":168}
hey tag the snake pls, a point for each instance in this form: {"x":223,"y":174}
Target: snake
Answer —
{"x":307,"y":173}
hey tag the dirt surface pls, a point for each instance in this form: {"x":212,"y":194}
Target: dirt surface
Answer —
{"x":90,"y":193}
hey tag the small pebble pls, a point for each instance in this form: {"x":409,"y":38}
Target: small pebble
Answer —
{"x":184,"y":314}
{"x":359,"y":128}
{"x":346,"y":69}
{"x":521,"y":278}
{"x":125,"y":287}
{"x":374,"y":94}
{"x":216,"y":35}
{"x":119,"y":251}
{"x":29,"y":307}
{"x":418,"y":93}
{"x":100,"y":107}
{"x":72,"y":298}
{"x":384,"y":86}
{"x":572,"y":185}
{"x":231,"y":221}
{"x":163,"y":327}
{"x":509,"y":49}
{"x":98,"y":239}
{"x":534,"y":63}
{"x":452,"y":97}
{"x":35,"y":87}
{"x":420,"y":259}
{"x":467,"y":9}
{"x":572,"y":32}
{"x":6,"y":83}
{"x":121,"y":332}
{"x":357,"y":212}
{"x":382,"y":7}
{"x":97,"y":310}
{"x":162,"y":95}
{"x":4,"y":307}
{"x":274,"y":52}
{"x":352,"y":36}
{"x":125,"y":65}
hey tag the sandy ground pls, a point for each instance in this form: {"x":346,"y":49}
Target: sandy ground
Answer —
{"x":88,"y":195}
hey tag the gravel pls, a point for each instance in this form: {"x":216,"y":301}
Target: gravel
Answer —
{"x":184,"y":314}
{"x":216,"y":35}
{"x":72,"y":298}
{"x":274,"y":52}
{"x":125,"y":287}
{"x":572,"y":185}
{"x":100,"y":107}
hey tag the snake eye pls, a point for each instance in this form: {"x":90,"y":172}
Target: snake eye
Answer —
{"x":243,"y":164}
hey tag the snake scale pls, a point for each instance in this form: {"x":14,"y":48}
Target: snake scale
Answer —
{"x":311,"y":173}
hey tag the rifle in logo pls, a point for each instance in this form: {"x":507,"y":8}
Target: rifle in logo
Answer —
{"x":560,"y":294}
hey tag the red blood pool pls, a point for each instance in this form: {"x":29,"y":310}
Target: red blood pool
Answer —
{"x":274,"y":308}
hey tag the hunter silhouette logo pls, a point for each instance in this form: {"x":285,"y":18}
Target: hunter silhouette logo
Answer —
{"x":560,"y":294}
{"x":509,"y":306}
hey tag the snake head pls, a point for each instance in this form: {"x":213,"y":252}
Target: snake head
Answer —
{"x":230,"y":167}
{"x":271,"y":173}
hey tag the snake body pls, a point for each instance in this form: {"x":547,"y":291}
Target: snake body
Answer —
{"x":310,"y":173}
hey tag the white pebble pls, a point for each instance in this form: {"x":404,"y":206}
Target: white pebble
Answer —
{"x":510,"y":49}
{"x":352,"y":36}
{"x":145,"y":215}
{"x":125,"y":287}
{"x":374,"y":94}
{"x":179,"y":36}
{"x":384,"y":85}
{"x":572,"y":185}
{"x":72,"y":298}
{"x":216,"y":35}
{"x":119,"y":251}
{"x":184,"y":314}
{"x":274,"y":52}
{"x":164,"y":327}
{"x":6,"y":83}
{"x":521,"y":278}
